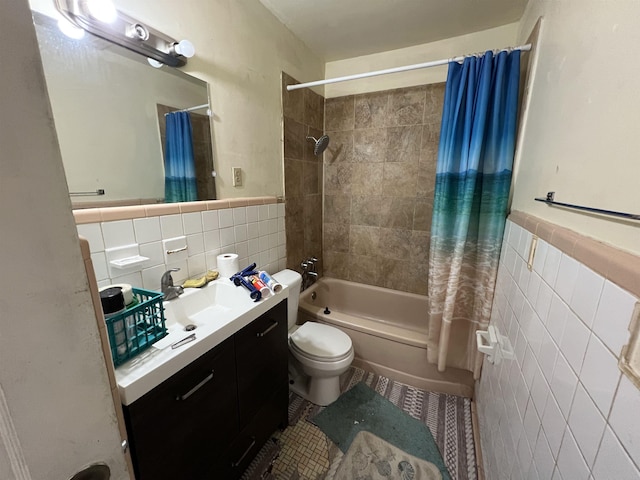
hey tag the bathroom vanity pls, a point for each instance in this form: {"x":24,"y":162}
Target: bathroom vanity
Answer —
{"x":210,"y":418}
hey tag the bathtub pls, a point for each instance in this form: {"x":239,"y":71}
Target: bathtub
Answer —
{"x":389,"y":331}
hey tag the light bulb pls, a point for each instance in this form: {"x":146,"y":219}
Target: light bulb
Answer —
{"x":69,"y":29}
{"x":102,"y":10}
{"x":184,"y":48}
{"x":154,"y":63}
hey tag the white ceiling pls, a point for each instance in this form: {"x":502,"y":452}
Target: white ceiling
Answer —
{"x":339,"y":29}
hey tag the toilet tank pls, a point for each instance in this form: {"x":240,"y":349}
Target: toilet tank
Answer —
{"x":293,"y":280}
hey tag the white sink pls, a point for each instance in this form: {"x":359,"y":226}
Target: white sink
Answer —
{"x":217,"y":310}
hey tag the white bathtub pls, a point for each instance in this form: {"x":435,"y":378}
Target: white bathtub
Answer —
{"x":388,"y":328}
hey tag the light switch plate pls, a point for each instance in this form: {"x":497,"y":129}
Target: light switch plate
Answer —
{"x":237,"y":177}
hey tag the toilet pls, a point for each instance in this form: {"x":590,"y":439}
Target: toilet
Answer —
{"x":318,"y":353}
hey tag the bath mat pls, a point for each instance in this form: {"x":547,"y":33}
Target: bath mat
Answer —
{"x":371,"y":457}
{"x":361,"y":408}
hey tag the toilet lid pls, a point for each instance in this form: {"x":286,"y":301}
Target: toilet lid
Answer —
{"x":322,"y":341}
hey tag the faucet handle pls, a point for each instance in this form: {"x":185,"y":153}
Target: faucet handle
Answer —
{"x":167,"y":279}
{"x":304,"y":266}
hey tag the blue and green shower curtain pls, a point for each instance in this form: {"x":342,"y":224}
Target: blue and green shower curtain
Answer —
{"x":179,"y":166}
{"x":473,"y":178}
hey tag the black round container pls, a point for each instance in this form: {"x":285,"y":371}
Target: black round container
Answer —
{"x":112,"y":300}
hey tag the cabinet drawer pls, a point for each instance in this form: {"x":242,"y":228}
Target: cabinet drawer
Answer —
{"x":185,"y":423}
{"x":261,"y":360}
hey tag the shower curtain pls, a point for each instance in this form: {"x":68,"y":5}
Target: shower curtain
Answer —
{"x":179,"y":166}
{"x":473,"y":178}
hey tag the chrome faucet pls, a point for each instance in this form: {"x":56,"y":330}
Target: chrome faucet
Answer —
{"x":166,"y":284}
{"x":309,"y":273}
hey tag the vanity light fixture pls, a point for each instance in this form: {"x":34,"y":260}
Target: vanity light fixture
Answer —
{"x":100,"y":18}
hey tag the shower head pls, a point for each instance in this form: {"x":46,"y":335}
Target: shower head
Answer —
{"x":321,"y":144}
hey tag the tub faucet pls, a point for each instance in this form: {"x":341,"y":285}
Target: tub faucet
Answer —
{"x":309,"y":273}
{"x":166,"y":284}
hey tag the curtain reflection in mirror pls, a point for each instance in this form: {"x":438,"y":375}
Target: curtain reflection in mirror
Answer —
{"x":180,"y":172}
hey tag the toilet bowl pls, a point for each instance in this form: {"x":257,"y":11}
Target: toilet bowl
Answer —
{"x":318,"y":353}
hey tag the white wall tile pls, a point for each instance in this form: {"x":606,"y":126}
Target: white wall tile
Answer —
{"x":540,"y":256}
{"x":281,"y":211}
{"x":197,"y":265}
{"x":195,"y":244}
{"x":557,"y":318}
{"x":600,"y":374}
{"x":570,"y":462}
{"x":624,"y":418}
{"x":240,"y":232}
{"x":239,"y":215}
{"x":210,"y":220}
{"x":553,"y":424}
{"x":252,"y":213}
{"x":226,"y":217}
{"x":227,"y":237}
{"x":613,"y":316}
{"x":263,"y":227}
{"x":543,"y":301}
{"x":612,"y":461}
{"x":551,"y":265}
{"x":192,"y":222}
{"x":93,"y":233}
{"x":253,"y":246}
{"x":542,"y":458}
{"x":539,"y":390}
{"x":586,"y":424}
{"x":563,"y":384}
{"x":147,"y":229}
{"x":212,"y":240}
{"x":533,"y":288}
{"x":134,"y":279}
{"x":100,"y":269}
{"x":272,"y":225}
{"x":153,"y":251}
{"x":547,"y":356}
{"x":531,"y":424}
{"x":171,"y":226}
{"x":242,"y":249}
{"x":252,"y":230}
{"x":586,"y":294}
{"x":273,"y":210}
{"x":567,"y":276}
{"x":151,"y":277}
{"x":574,"y":341}
{"x":263,"y":212}
{"x":118,"y":234}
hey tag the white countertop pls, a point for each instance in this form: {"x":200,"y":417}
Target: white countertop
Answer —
{"x":216,"y":322}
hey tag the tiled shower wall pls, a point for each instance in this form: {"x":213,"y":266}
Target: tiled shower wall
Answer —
{"x":303,"y":112}
{"x":561,"y":409}
{"x":255,"y":232}
{"x":379,"y":182}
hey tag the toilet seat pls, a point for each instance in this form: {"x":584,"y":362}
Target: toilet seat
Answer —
{"x":320,"y":342}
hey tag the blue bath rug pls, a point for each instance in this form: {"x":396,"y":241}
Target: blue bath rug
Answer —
{"x":361,"y":408}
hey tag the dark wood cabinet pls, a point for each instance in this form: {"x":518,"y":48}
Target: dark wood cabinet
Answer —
{"x":210,"y":419}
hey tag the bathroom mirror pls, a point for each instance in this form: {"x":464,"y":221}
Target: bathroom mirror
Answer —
{"x":109,"y":105}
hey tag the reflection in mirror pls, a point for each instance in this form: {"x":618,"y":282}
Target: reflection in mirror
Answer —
{"x":109,"y":108}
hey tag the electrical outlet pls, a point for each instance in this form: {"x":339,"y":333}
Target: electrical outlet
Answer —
{"x":237,"y":177}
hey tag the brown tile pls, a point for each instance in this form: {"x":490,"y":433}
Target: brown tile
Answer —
{"x":365,"y":210}
{"x":293,"y":101}
{"x":364,"y":269}
{"x":340,"y":149}
{"x":217,"y":204}
{"x":394,"y":274}
{"x":87,"y":215}
{"x":531,"y":224}
{"x":623,"y":270}
{"x":162,"y":209}
{"x":593,"y":254}
{"x":371,"y":109}
{"x":364,"y":240}
{"x":395,"y":243}
{"x":397,"y":212}
{"x":404,"y":144}
{"x":429,"y":148}
{"x":293,"y":177}
{"x":294,"y":138}
{"x":426,"y":182}
{"x":339,"y":113}
{"x":189,"y":207}
{"x":311,"y":177}
{"x":418,"y":279}
{"x":370,"y":145}
{"x":544,"y":230}
{"x":312,"y":223}
{"x":433,"y":103}
{"x":336,"y":264}
{"x":422,"y":214}
{"x":294,"y":214}
{"x":518,"y":217}
{"x":420,"y":242}
{"x":313,"y":109}
{"x":400,"y":179}
{"x":238,"y":202}
{"x":406,"y":106}
{"x":122,"y":213}
{"x":366,"y":178}
{"x":564,"y":240}
{"x":336,"y":237}
{"x":337,"y":209}
{"x":338,"y":178}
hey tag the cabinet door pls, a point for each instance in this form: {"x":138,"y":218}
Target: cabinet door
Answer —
{"x":185,"y":424}
{"x":261,"y":362}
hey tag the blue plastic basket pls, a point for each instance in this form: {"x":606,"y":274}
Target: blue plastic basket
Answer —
{"x":138,"y":327}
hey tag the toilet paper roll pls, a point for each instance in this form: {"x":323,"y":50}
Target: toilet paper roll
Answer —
{"x":227,"y":264}
{"x":127,"y":291}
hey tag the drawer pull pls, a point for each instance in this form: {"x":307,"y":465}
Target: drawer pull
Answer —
{"x":246,"y":452}
{"x":262,"y":334}
{"x":196,"y":388}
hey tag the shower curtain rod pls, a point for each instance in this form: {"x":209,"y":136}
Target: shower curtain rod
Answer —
{"x":445,"y":61}
{"x":191,"y":109}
